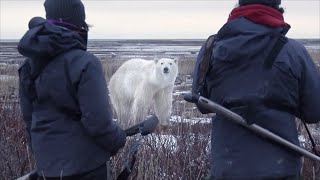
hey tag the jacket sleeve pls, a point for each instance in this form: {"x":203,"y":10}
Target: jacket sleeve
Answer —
{"x":25,"y":102}
{"x":96,"y":108}
{"x":309,"y":89}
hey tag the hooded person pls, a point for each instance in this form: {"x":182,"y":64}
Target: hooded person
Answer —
{"x":64,"y":97}
{"x":269,"y":85}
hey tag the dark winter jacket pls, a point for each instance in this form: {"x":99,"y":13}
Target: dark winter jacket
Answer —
{"x":69,"y":122}
{"x":270,"y":98}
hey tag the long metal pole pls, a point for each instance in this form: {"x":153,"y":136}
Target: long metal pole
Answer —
{"x":216,"y":108}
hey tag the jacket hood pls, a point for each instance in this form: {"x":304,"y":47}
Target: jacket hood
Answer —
{"x":45,"y":40}
{"x":241,"y":39}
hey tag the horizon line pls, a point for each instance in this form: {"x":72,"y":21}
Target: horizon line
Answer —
{"x":12,"y":39}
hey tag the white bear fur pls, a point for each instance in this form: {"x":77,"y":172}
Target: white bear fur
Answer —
{"x":137,"y":84}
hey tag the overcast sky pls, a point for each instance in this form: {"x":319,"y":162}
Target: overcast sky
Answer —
{"x":164,"y":19}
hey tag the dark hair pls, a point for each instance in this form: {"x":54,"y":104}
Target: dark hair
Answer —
{"x":280,"y":9}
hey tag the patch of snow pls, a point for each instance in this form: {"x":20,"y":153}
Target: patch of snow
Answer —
{"x":303,"y":141}
{"x":302,"y":138}
{"x":181,"y":93}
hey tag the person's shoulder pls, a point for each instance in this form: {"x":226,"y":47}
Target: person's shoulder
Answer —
{"x":82,"y":58}
{"x":296,"y":45}
{"x":85,"y":55}
{"x":89,"y":57}
{"x":297,"y":53}
{"x":83,"y":61}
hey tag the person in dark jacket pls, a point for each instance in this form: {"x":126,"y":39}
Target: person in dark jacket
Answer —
{"x":64,"y":97}
{"x":271,"y":97}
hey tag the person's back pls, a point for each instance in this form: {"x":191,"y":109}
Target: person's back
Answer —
{"x":63,"y":96}
{"x":270,"y":97}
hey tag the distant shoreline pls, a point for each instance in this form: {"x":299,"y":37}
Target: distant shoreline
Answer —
{"x":298,"y":39}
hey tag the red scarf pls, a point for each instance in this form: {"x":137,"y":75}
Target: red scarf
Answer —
{"x":259,"y":14}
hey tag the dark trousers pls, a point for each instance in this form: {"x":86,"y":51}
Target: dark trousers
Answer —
{"x":100,"y":173}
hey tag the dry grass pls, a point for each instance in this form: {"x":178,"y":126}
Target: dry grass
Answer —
{"x":110,"y":67}
{"x":8,"y":80}
{"x":15,"y":158}
{"x":310,"y":168}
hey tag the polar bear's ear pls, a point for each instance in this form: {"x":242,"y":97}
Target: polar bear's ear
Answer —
{"x":155,"y":60}
{"x":175,"y":60}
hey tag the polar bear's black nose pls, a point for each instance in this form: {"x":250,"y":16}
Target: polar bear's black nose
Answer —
{"x":165,"y":70}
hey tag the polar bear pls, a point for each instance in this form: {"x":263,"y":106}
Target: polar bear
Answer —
{"x":137,"y":84}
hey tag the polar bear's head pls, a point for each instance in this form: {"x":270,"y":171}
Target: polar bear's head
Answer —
{"x":167,"y":67}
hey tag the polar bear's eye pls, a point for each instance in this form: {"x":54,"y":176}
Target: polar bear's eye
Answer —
{"x":170,"y":63}
{"x":161,"y":63}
